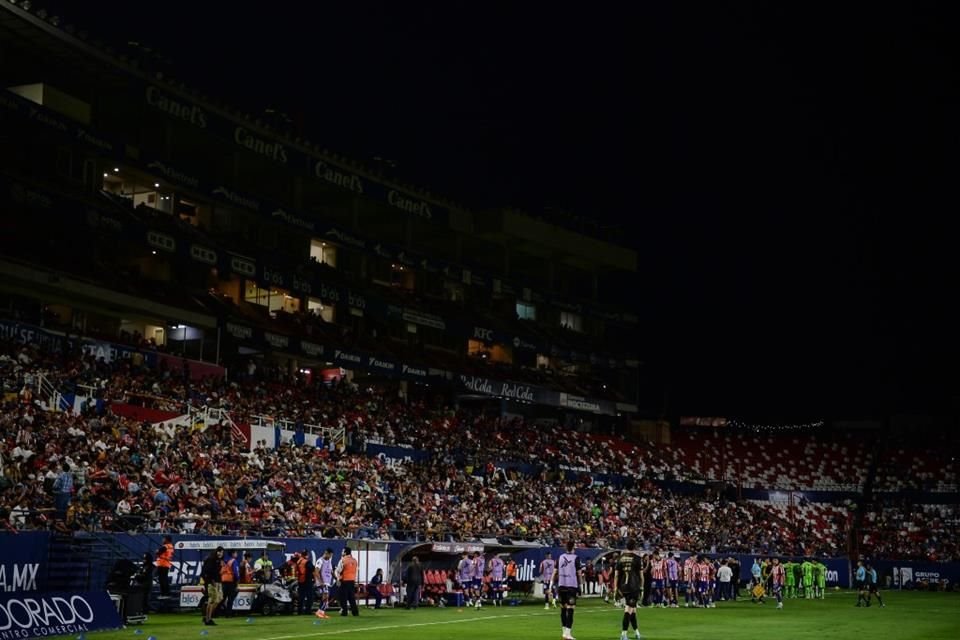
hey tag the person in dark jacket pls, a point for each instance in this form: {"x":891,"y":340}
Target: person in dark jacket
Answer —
{"x":373,"y":587}
{"x":212,"y":583}
{"x":144,"y":579}
{"x":413,"y":579}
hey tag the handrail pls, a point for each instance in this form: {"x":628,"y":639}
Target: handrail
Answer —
{"x":330,"y":434}
{"x":211,"y":415}
{"x":55,"y":400}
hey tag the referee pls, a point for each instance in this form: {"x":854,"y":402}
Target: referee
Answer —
{"x":859,"y":583}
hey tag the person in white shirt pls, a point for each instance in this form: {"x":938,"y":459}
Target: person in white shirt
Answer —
{"x":724,"y":576}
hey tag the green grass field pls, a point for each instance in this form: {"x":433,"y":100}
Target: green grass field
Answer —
{"x":929,"y":616}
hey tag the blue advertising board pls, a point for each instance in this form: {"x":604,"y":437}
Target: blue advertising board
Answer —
{"x":23,"y":566}
{"x":37,"y":615}
{"x":913,"y":575}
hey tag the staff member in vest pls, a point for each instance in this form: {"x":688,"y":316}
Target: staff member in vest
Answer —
{"x":305,"y":570}
{"x":246,"y":568}
{"x":164,"y":562}
{"x":511,"y":575}
{"x":347,"y":575}
{"x":212,"y":585}
{"x":263,"y":568}
{"x":568,"y":576}
{"x":229,"y":576}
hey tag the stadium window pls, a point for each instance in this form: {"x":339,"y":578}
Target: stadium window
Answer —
{"x":454,"y":291}
{"x":323,"y":252}
{"x":324,"y":311}
{"x":571,"y":321}
{"x":273,"y":299}
{"x":526,"y":311}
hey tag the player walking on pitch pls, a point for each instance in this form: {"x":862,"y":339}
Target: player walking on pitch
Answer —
{"x":628,"y":581}
{"x":568,"y":576}
{"x":547,"y":567}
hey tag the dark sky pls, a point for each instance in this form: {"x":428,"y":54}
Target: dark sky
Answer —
{"x":787,"y":176}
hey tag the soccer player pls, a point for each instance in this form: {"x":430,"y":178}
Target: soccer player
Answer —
{"x":872,"y":586}
{"x":673,"y":576}
{"x":778,"y":577}
{"x":658,"y":571}
{"x":789,"y":583}
{"x":860,"y":583}
{"x":807,"y":568}
{"x":822,"y":581}
{"x":705,"y":588}
{"x":606,"y":576}
{"x":465,"y":580}
{"x":628,"y":581}
{"x":816,"y":577}
{"x":617,"y":600}
{"x":568,"y":576}
{"x":478,"y":566}
{"x":547,"y":568}
{"x":325,"y":581}
{"x":646,"y":595}
{"x":689,"y":586}
{"x":496,"y":579}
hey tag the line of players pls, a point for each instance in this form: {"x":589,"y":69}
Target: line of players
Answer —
{"x":664,"y":586}
{"x":806,"y":579}
{"x":704,"y":581}
{"x":470,"y":571}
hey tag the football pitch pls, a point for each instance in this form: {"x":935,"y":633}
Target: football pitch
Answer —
{"x":929,"y":616}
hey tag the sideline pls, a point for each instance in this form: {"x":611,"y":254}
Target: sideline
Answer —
{"x":426,"y":624}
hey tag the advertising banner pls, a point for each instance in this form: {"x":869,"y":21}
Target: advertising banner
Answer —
{"x":907,"y":574}
{"x":28,"y":334}
{"x":40,"y":615}
{"x":501,"y":389}
{"x":24,"y":563}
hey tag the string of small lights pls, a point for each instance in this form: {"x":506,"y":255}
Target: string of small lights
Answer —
{"x":773,"y":427}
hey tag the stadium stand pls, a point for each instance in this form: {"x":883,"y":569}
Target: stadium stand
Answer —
{"x":818,"y":462}
{"x":443,"y":330}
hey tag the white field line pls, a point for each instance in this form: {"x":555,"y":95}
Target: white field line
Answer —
{"x":334,"y":632}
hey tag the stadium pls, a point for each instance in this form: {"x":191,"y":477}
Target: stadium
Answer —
{"x":234,"y":361}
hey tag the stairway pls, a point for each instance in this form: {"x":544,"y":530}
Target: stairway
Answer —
{"x":68,"y":564}
{"x":83,"y":561}
{"x":51,"y":396}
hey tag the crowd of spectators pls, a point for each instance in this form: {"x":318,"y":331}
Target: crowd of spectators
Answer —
{"x":128,"y":475}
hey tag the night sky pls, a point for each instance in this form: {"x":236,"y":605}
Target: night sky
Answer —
{"x":787,"y":177}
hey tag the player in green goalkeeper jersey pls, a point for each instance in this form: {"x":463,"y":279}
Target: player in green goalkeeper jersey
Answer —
{"x":807,"y":568}
{"x":791,"y":579}
{"x":822,"y":581}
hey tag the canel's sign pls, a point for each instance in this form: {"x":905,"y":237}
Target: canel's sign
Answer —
{"x":54,"y":614}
